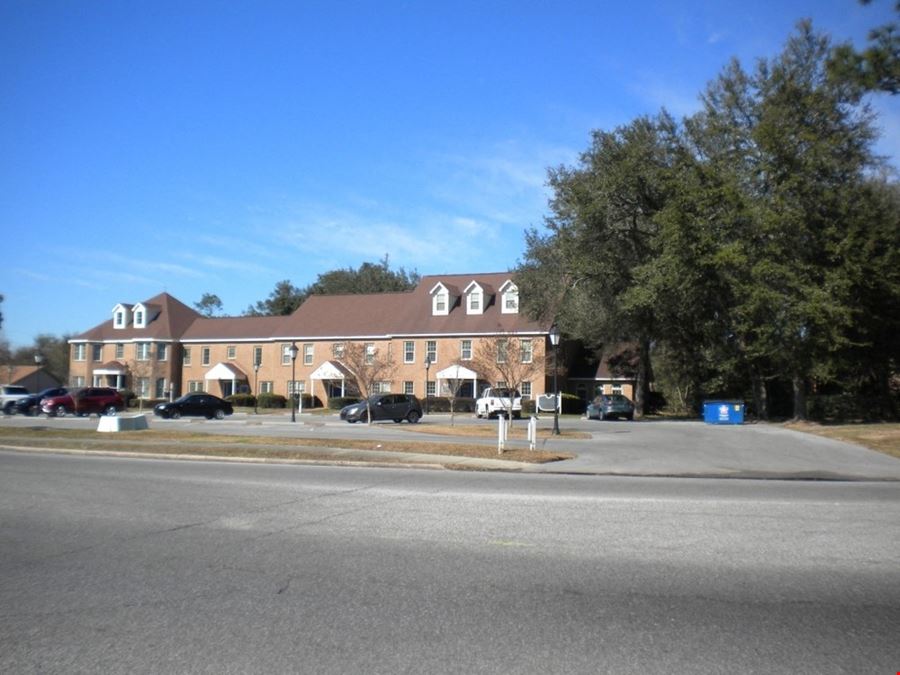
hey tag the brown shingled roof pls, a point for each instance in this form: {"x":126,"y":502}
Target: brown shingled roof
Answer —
{"x":173,"y":320}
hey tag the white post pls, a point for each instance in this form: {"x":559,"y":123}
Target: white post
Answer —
{"x":501,"y":433}
{"x":532,"y":432}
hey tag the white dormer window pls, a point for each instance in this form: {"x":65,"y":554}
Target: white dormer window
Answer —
{"x":440,"y":300}
{"x":121,"y":316}
{"x":509,"y":298}
{"x":141,"y":315}
{"x":474,"y":298}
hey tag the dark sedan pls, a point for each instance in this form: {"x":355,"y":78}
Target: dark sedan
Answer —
{"x":397,"y":407}
{"x":31,"y":405}
{"x":610,"y":406}
{"x":198,"y":404}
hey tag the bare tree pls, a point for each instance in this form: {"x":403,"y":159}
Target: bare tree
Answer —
{"x":510,"y":360}
{"x":368,"y":366}
{"x":141,"y":369}
{"x":450,"y":386}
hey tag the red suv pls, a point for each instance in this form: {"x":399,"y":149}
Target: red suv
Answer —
{"x":99,"y":400}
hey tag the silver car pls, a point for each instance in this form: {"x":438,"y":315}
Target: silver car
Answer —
{"x":610,"y":406}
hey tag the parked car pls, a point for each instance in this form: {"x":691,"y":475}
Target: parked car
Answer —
{"x":498,"y":401}
{"x":397,"y":407}
{"x":87,"y":401}
{"x":10,"y":394}
{"x":31,"y":404}
{"x":610,"y":406}
{"x":197,"y":404}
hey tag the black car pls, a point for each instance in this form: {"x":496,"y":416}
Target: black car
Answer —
{"x":31,"y":404}
{"x":397,"y":407}
{"x":198,"y":404}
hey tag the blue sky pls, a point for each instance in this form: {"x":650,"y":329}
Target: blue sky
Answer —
{"x":222,"y":146}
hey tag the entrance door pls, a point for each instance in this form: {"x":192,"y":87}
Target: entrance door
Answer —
{"x":227,"y":388}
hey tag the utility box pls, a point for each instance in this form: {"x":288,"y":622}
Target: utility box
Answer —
{"x":723,"y":412}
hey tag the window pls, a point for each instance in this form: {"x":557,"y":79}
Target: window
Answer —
{"x":465,"y":350}
{"x":409,"y":387}
{"x":79,"y":352}
{"x":97,"y":352}
{"x":370,"y":353}
{"x":143,"y":387}
{"x":204,"y":356}
{"x":266,"y":387}
{"x":160,"y":388}
{"x":162,"y":351}
{"x":308,"y":353}
{"x":120,"y":319}
{"x":430,"y":388}
{"x":526,"y":390}
{"x":285,"y":354}
{"x":78,"y":381}
{"x":337,"y":350}
{"x":502,"y":348}
{"x":296,"y":387}
{"x":617,"y":389}
{"x":139,"y":319}
{"x":526,"y":351}
{"x":231,"y":352}
{"x":431,"y":351}
{"x":186,"y":356}
{"x":409,"y":352}
{"x":195,"y":385}
{"x":120,"y":350}
{"x":510,"y":303}
{"x":383,"y":387}
{"x":440,"y":303}
{"x":142,"y":351}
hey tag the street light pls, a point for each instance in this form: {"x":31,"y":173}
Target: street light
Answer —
{"x":255,"y":387}
{"x":293,"y":350}
{"x":38,"y":360}
{"x":427,"y":367}
{"x":554,"y":340}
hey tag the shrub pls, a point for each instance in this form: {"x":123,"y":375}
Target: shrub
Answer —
{"x":440,"y":404}
{"x":339,"y":402}
{"x":270,"y":400}
{"x":529,"y":406}
{"x":572,"y":405}
{"x":242,"y":400}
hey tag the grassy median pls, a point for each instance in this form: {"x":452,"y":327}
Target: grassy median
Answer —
{"x":884,"y":437}
{"x":170,"y":442}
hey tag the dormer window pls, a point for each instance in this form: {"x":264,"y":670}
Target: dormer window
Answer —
{"x":121,"y":316}
{"x":474,"y":298}
{"x":440,"y":300}
{"x":144,"y":314}
{"x":509,"y":302}
{"x":139,"y":319}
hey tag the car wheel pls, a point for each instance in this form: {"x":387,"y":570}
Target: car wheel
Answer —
{"x":61,"y":411}
{"x":220,"y":414}
{"x":175,"y":415}
{"x":630,"y":417}
{"x":364,"y":417}
{"x":33,"y":410}
{"x":110,"y":410}
{"x":351,"y":421}
{"x":9,"y":408}
{"x":413,"y":417}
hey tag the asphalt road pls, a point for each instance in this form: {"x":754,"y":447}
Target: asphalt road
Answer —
{"x":140,"y":566}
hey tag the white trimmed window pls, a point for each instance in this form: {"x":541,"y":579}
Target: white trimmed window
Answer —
{"x":526,"y":351}
{"x":465,"y":350}
{"x":186,"y":356}
{"x":266,"y":387}
{"x":296,"y":387}
{"x":431,"y":351}
{"x":78,"y":381}
{"x":285,"y":354}
{"x":308,"y":354}
{"x":370,"y":353}
{"x":195,"y":385}
{"x":383,"y":387}
{"x":139,"y":319}
{"x":409,"y":387}
{"x":204,"y":356}
{"x":120,"y":350}
{"x":162,"y":351}
{"x":142,"y":387}
{"x":337,"y":350}
{"x":80,"y":351}
{"x":409,"y":352}
{"x":509,"y":302}
{"x":526,"y":390}
{"x":142,"y":351}
{"x":502,"y":349}
{"x":257,"y":356}
{"x":231,"y":352}
{"x":97,"y":352}
{"x":430,"y":388}
{"x":119,"y":319}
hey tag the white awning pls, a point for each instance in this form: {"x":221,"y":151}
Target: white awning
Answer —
{"x":222,"y":371}
{"x":330,"y":370}
{"x":456,"y":372}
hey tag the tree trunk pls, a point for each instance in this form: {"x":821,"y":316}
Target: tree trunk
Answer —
{"x":799,"y":383}
{"x":760,"y":397}
{"x":642,"y":390}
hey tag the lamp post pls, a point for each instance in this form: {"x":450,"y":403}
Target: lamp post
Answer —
{"x":255,"y":387}
{"x":554,"y":340}
{"x":427,"y":368}
{"x":293,"y":350}
{"x":38,"y":360}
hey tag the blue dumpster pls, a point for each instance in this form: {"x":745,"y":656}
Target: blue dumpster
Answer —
{"x":723,"y":412}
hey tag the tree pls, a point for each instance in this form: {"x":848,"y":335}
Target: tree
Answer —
{"x":601,"y":229}
{"x":369,"y":366}
{"x":209,"y":304}
{"x":1,"y":313}
{"x":875,"y":68}
{"x":452,"y":384}
{"x":283,"y":300}
{"x":507,"y":359}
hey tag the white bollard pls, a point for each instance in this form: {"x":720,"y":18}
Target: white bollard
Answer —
{"x":532,"y":432}
{"x":501,"y":433}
